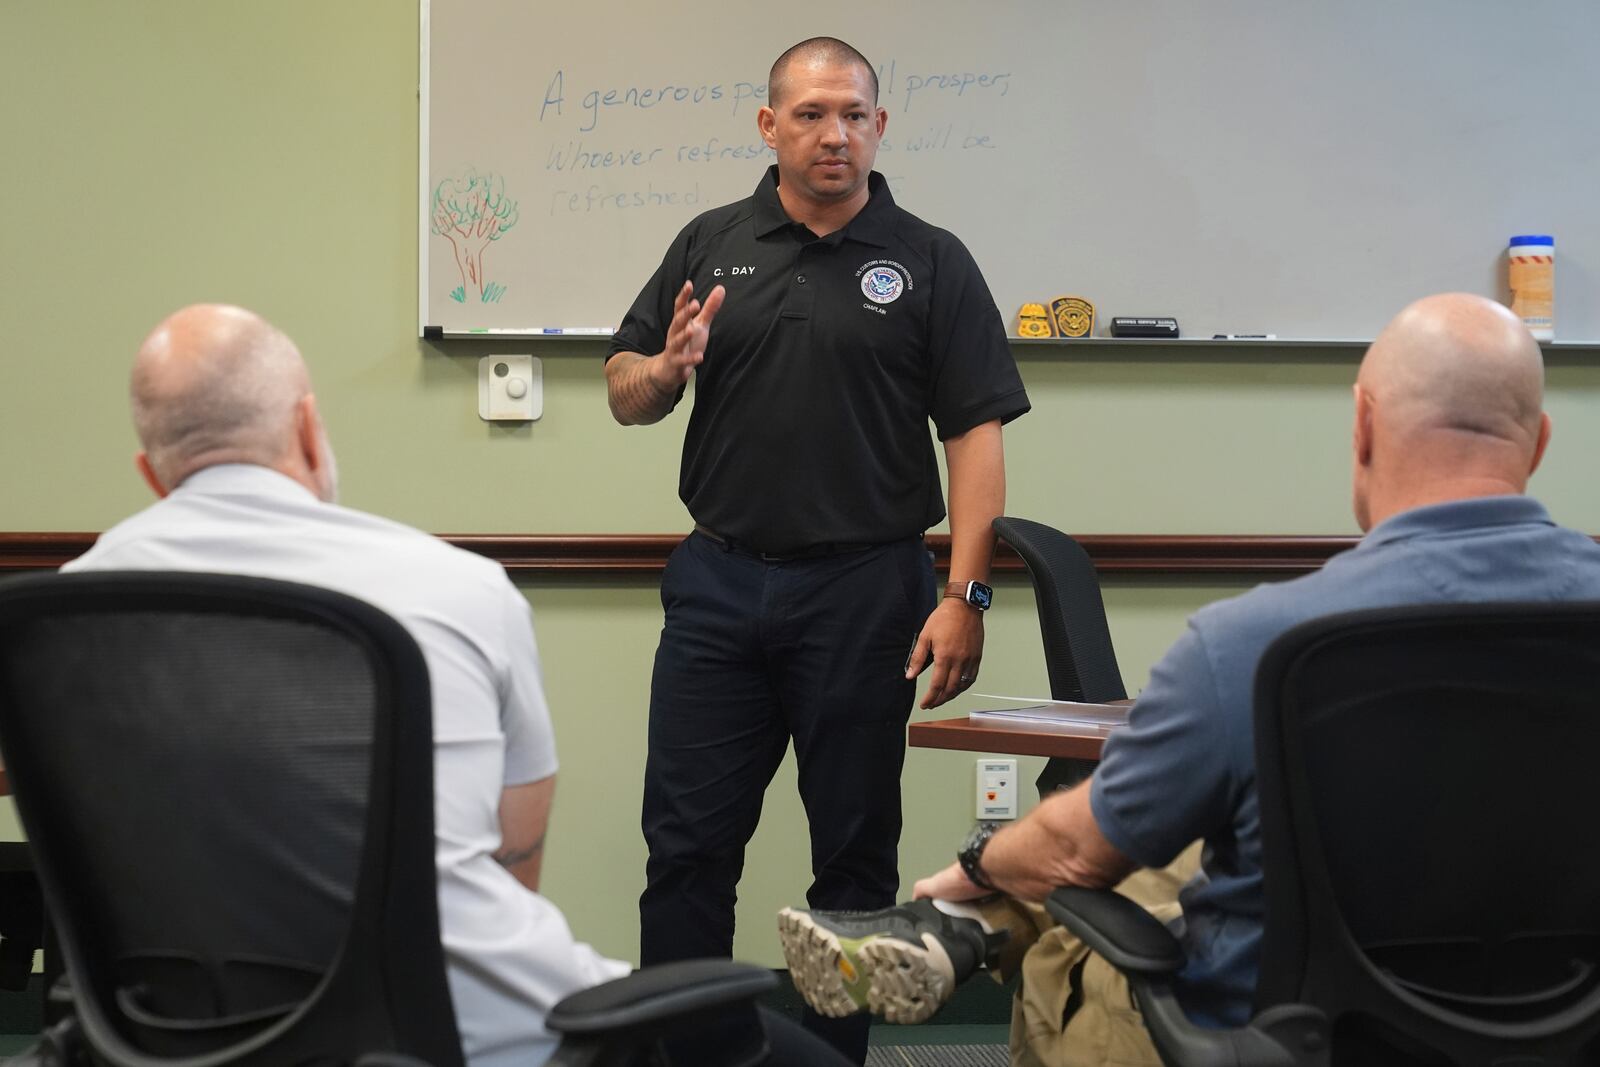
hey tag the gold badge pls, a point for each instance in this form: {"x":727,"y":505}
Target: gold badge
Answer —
{"x":1033,"y":321}
{"x":1072,"y":316}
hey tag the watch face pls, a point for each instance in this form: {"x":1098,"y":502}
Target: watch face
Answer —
{"x":970,"y":857}
{"x":980,"y":595}
{"x":978,"y":836}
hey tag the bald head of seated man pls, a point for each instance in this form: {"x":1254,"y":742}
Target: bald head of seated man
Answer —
{"x":1448,"y":429}
{"x":217,"y":384}
{"x":1448,"y":407}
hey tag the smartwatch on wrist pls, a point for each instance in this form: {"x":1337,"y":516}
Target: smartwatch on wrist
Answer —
{"x":977,"y":594}
{"x":971,"y":855}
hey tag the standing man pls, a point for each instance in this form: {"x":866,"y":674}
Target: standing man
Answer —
{"x":833,"y":325}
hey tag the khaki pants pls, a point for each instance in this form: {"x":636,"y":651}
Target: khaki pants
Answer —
{"x":1072,"y":1008}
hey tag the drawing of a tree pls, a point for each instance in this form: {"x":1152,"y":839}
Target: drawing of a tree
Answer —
{"x":472,"y":211}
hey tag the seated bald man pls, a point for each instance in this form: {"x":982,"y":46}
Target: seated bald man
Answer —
{"x":1448,"y":428}
{"x":235,"y":449}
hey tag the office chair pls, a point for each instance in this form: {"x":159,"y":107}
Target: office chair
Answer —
{"x":1078,"y":655}
{"x":1432,"y":874}
{"x":227,"y":783}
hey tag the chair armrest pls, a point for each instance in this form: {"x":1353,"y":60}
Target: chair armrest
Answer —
{"x":657,"y":994}
{"x":1137,"y":944}
{"x":1124,"y":934}
{"x":1288,"y":1035}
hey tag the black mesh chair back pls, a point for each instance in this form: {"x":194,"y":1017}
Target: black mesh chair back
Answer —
{"x":228,"y":786}
{"x":1072,"y":616}
{"x":1432,"y":864}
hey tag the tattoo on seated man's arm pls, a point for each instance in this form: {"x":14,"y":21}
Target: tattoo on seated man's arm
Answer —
{"x":509,"y":857}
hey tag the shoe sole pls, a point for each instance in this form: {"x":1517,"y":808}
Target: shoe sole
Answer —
{"x":906,"y":982}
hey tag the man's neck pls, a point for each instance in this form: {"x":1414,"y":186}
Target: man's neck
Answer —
{"x":824,"y":217}
{"x":1443,"y":491}
{"x":288,"y":467}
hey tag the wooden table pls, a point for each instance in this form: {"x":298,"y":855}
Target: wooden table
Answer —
{"x":1020,"y":739}
{"x":1073,"y":749}
{"x":1078,"y":742}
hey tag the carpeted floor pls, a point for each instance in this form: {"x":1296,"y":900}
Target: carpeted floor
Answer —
{"x":935,"y":1045}
{"x":938,"y":1056}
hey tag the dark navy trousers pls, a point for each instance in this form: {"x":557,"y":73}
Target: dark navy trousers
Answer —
{"x":755,"y":653}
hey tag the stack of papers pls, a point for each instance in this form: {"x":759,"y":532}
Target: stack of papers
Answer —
{"x":1065,"y":715}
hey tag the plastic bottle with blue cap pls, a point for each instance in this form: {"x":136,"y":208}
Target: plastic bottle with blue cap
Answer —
{"x":1532,"y":259}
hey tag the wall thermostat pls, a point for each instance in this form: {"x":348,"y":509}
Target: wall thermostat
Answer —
{"x":510,"y":388}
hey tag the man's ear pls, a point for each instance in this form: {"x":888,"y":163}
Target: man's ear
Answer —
{"x":308,"y":432}
{"x":1545,"y":429}
{"x":766,"y":124}
{"x":1362,"y":434}
{"x":148,"y":473}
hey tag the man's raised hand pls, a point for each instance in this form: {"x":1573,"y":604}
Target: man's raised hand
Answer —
{"x":687,"y":336}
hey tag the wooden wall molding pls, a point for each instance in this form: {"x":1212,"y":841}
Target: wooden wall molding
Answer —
{"x":41,"y":551}
{"x":599,"y":554}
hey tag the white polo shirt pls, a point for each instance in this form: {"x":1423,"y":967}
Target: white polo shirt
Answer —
{"x":509,"y":952}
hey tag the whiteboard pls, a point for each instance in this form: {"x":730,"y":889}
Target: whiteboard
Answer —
{"x":1248,"y":166}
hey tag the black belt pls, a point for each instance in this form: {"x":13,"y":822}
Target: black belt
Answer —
{"x":820,"y":550}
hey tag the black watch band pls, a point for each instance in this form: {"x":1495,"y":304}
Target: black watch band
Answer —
{"x":971,"y":855}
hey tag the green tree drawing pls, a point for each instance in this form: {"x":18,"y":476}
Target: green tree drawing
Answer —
{"x":472,"y":211}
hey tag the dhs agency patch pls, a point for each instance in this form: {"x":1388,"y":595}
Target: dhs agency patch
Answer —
{"x":882,"y":285}
{"x":1073,"y":316}
{"x":882,"y":281}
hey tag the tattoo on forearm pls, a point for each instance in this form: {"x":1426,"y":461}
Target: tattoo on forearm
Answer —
{"x":508,"y":857}
{"x":635,"y":394}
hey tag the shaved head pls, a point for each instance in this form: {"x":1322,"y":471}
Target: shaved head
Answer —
{"x":817,"y":52}
{"x":1449,"y":397}
{"x":1458,"y":362}
{"x":219,"y":384}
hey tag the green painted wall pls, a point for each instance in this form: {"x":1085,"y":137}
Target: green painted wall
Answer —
{"x":266,"y":154}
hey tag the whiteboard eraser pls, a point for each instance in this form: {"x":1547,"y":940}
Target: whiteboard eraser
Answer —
{"x":1143,"y":326}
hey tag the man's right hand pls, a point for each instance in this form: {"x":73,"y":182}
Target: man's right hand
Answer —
{"x":642,"y":389}
{"x":686,"y":337}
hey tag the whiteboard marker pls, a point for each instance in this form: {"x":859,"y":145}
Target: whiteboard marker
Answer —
{"x":543,"y":331}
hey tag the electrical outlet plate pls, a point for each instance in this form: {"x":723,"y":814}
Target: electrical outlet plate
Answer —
{"x":510,"y":388}
{"x":997,"y":789}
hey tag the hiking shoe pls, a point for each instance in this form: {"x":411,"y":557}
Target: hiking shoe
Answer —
{"x":901,"y":963}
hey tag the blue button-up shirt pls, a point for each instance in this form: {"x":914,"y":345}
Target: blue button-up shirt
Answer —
{"x":1184,"y":768}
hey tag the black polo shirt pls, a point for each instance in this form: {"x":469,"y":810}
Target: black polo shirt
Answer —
{"x":827,"y":360}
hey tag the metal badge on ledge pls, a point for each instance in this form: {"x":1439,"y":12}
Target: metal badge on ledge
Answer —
{"x":1033,"y":321}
